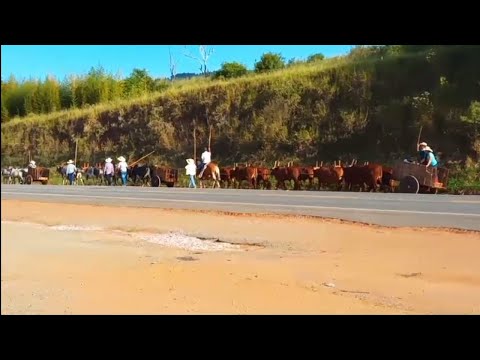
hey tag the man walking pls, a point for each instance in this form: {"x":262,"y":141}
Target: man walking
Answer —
{"x":123,"y":166}
{"x":191,"y":171}
{"x":109,"y":170}
{"x":71,"y":170}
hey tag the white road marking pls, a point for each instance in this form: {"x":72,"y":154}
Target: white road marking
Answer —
{"x":248,"y":204}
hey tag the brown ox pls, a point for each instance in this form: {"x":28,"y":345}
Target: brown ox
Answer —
{"x":387,"y":177}
{"x":307,"y":174}
{"x":368,"y":174}
{"x":246,"y":173}
{"x":286,"y":173}
{"x":227,"y":175}
{"x":211,"y":172}
{"x":263,"y":177}
{"x":329,"y":175}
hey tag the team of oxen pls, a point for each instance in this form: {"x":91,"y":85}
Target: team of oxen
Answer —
{"x":337,"y":176}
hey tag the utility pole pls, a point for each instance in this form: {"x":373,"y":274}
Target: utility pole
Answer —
{"x":76,"y":149}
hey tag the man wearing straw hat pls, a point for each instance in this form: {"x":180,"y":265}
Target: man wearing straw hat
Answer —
{"x":430,"y":159}
{"x":191,"y":170}
{"x":123,"y":166}
{"x":71,"y":170}
{"x":109,"y":170}
{"x":421,"y":152}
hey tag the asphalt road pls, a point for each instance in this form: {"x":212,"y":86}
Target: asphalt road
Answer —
{"x":462,"y":212}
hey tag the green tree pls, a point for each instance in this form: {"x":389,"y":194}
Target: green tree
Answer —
{"x":50,"y":95}
{"x":231,"y":70}
{"x":472,"y":120}
{"x":139,"y":83}
{"x":270,"y":61}
{"x":315,"y":57}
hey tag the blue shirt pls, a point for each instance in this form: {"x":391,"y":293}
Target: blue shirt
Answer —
{"x":434,"y":162}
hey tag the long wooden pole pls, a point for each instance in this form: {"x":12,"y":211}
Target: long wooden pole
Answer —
{"x":143,"y":157}
{"x":194,"y":141}
{"x":210,"y":139}
{"x":419,"y":135}
{"x":76,"y":150}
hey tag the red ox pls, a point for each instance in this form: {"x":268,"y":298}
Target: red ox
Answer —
{"x":246,"y":173}
{"x":387,"y":177}
{"x":329,"y":175}
{"x":307,"y":174}
{"x":227,"y":175}
{"x":263,"y":177}
{"x":368,"y":174}
{"x":286,"y":173}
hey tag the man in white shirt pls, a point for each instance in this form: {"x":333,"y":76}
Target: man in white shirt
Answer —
{"x":206,"y":159}
{"x":71,"y":170}
{"x":123,"y":166}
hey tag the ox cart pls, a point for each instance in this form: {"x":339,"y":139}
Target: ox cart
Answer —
{"x":411,"y":177}
{"x":163,"y":174}
{"x":38,"y":174}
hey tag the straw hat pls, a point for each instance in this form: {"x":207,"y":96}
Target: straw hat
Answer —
{"x":70,"y":162}
{"x":32,"y":162}
{"x":423,"y":144}
{"x":108,"y":160}
{"x":121,"y":158}
{"x":190,"y":161}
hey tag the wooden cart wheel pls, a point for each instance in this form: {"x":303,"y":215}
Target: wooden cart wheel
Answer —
{"x":29,"y":180}
{"x":170,"y":184}
{"x":409,"y":184}
{"x":156,"y":181}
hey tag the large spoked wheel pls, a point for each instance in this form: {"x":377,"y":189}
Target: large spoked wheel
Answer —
{"x":156,"y":181}
{"x":409,"y":184}
{"x":29,"y":180}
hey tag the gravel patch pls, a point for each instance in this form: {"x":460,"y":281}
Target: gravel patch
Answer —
{"x":75,"y":228}
{"x":179,"y":240}
{"x":175,"y":239}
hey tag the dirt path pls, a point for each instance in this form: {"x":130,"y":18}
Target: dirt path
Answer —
{"x":297,"y":266}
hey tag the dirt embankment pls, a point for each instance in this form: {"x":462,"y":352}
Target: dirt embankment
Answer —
{"x":112,"y":263}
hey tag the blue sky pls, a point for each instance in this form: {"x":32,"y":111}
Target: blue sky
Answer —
{"x":38,"y":61}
